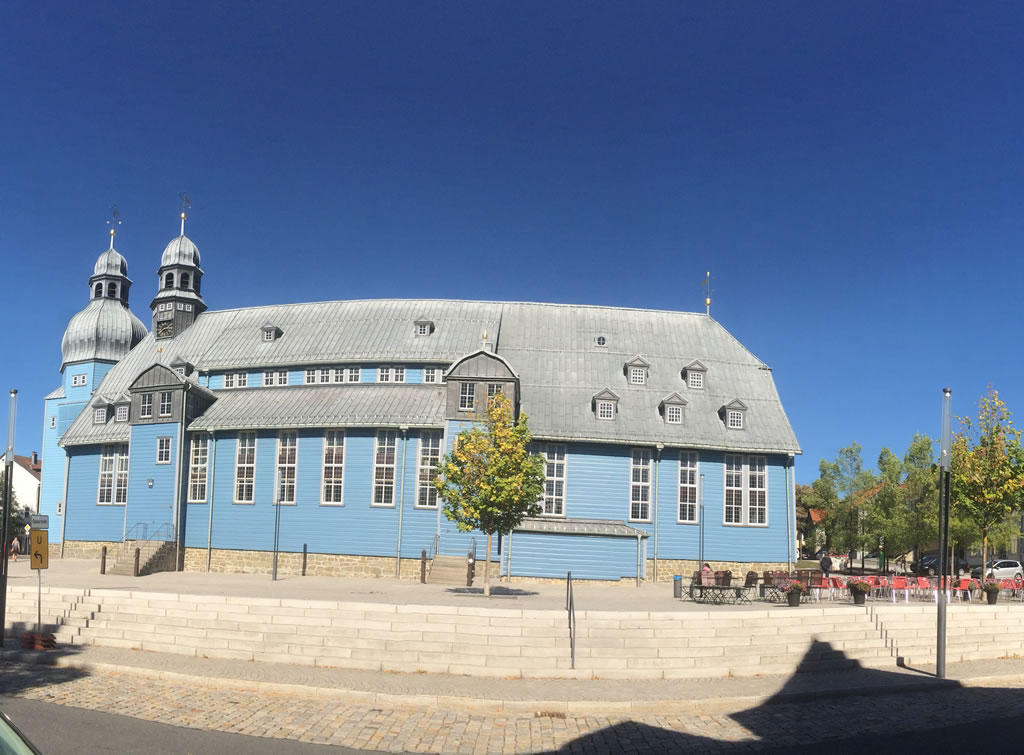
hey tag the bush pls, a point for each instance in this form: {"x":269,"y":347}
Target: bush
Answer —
{"x":858,"y":584}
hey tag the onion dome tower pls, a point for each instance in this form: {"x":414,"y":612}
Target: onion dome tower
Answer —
{"x":106,"y":329}
{"x":177,"y":302}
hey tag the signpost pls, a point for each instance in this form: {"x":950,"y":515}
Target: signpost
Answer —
{"x":945,"y":465}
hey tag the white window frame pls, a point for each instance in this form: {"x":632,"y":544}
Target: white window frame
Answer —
{"x":53,"y":421}
{"x":640,"y":485}
{"x":245,"y":468}
{"x":734,"y":419}
{"x":428,"y":457}
{"x":163,"y":449}
{"x":430,"y":375}
{"x":198,"y":469}
{"x":236,"y":379}
{"x":493,"y":389}
{"x":385,"y":452}
{"x":637,"y":376}
{"x":398,"y":373}
{"x":674,"y":414}
{"x":311,"y":375}
{"x":333,"y":462}
{"x":188,"y":307}
{"x":602,"y":407}
{"x":467,"y":397}
{"x":337,"y":374}
{"x":383,"y":374}
{"x":688,"y":510}
{"x":747,"y":477}
{"x":695,"y":379}
{"x":99,"y":415}
{"x":423,"y":329}
{"x":275,"y":377}
{"x":181,"y":306}
{"x":146,"y":406}
{"x":113,"y":471}
{"x":324,"y":374}
{"x":268,"y":334}
{"x":555,"y":476}
{"x":285,"y":478}
{"x":169,"y":403}
{"x":180,"y":371}
{"x":355,"y":375}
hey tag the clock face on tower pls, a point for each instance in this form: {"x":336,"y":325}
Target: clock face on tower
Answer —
{"x":164,"y":329}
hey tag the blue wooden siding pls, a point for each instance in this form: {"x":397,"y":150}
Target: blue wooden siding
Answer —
{"x":94,"y":372}
{"x":414,"y":375}
{"x":87,"y":520}
{"x":51,"y":483}
{"x":368,"y":375}
{"x":536,"y":554}
{"x":151,"y":509}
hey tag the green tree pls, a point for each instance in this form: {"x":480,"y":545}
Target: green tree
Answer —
{"x":898,"y":511}
{"x":490,"y":481}
{"x":841,"y":490}
{"x":988,"y":469}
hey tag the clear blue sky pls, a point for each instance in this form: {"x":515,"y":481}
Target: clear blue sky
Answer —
{"x":849,"y":172}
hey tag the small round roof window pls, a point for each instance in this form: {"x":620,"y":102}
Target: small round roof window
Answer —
{"x":601,"y":341}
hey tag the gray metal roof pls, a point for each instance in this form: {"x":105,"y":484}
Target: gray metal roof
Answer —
{"x":110,"y":262}
{"x":180,"y":251}
{"x":55,"y":393}
{"x":603,"y":527}
{"x":364,"y":405}
{"x":104,"y":331}
{"x":550,"y":346}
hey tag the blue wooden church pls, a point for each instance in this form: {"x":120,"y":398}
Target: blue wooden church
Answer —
{"x":319,"y":426}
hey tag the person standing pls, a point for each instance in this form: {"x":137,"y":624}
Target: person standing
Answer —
{"x":15,"y":548}
{"x":826,"y":566}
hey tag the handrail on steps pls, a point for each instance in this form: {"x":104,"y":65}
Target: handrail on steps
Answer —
{"x":163,"y":529}
{"x":570,"y":608}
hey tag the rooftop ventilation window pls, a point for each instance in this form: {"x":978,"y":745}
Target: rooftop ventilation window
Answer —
{"x":423,"y":327}
{"x":271,"y":332}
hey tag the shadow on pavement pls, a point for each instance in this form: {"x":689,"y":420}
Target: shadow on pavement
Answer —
{"x":801,"y":717}
{"x":21,"y":670}
{"x":496,"y":592}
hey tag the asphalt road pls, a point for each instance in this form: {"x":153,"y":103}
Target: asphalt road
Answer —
{"x":60,"y":730}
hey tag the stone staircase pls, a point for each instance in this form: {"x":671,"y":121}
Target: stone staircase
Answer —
{"x":974,"y":631}
{"x":447,"y":570}
{"x":476,"y":641}
{"x":154,"y":556}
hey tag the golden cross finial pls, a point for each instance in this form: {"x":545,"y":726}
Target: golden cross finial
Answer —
{"x":186,"y":204}
{"x":115,"y":220}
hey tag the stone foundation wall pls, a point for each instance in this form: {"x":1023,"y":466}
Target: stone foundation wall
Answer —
{"x":317,"y":564}
{"x":667,"y":568}
{"x":85,"y":549}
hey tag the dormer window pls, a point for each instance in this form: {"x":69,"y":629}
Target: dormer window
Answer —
{"x":121,"y":413}
{"x":672,"y":409}
{"x":605,"y":404}
{"x":271,"y":332}
{"x":734,"y":415}
{"x":99,"y":415}
{"x":636,"y":370}
{"x":693,"y":373}
{"x":181,"y":367}
{"x":467,"y":397}
{"x":424,"y":327}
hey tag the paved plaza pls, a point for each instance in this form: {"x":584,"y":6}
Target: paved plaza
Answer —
{"x":453,"y":714}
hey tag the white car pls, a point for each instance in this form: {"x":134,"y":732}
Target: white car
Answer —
{"x":1001,"y":569}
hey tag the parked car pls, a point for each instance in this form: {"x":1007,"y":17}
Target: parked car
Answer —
{"x":928,"y":566}
{"x":13,"y":740}
{"x":1001,"y":569}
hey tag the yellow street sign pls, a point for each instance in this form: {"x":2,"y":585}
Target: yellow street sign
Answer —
{"x":40,"y":549}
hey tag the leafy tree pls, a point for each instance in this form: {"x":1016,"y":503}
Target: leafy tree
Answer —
{"x":804,"y":522}
{"x":898,"y":511}
{"x":987,"y":480}
{"x":490,"y":481}
{"x":841,"y":490}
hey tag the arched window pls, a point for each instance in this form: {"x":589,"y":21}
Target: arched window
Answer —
{"x":184,"y":280}
{"x":169,"y":280}
{"x":111,"y":290}
{"x":98,"y":293}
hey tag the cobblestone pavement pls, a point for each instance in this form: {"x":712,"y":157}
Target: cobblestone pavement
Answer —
{"x":416,"y":729}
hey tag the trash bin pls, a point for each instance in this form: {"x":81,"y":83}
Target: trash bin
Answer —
{"x":677,"y":586}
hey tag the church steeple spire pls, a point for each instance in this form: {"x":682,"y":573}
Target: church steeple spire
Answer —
{"x":178,"y":301}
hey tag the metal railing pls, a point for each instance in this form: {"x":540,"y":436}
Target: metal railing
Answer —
{"x":140,"y":532}
{"x":570,"y":609}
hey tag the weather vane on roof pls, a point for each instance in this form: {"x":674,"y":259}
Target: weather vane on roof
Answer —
{"x":706,"y":283}
{"x":115,"y":220}
{"x":186,"y":204}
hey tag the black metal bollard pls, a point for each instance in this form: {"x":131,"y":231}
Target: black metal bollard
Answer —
{"x":136,"y":571}
{"x":423,"y":566}
{"x":304,"y":553}
{"x":103,"y":560}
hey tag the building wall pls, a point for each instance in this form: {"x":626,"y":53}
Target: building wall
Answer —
{"x":535,"y":554}
{"x":150,"y":513}
{"x":85,"y":519}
